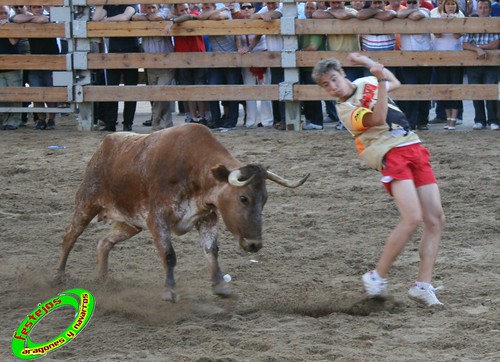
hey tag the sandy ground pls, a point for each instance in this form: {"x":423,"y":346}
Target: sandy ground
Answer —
{"x":300,"y":298}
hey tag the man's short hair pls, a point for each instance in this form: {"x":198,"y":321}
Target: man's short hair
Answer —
{"x":325,"y":66}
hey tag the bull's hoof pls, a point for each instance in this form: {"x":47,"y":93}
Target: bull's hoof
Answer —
{"x":222,"y":289}
{"x":58,"y":278}
{"x":170,"y":296}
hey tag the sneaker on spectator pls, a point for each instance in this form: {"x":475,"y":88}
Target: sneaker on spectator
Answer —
{"x":374,"y":287}
{"x":494,"y":127}
{"x":51,"y":124}
{"x":340,"y":126}
{"x":312,"y":126}
{"x":425,"y":296}
{"x":459,"y":121}
{"x":41,"y":124}
{"x":478,"y":125}
{"x":327,"y":119}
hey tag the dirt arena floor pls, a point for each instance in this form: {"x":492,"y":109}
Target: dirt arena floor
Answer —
{"x":299,"y":299}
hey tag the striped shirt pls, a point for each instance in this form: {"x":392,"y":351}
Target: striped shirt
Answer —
{"x":378,"y":42}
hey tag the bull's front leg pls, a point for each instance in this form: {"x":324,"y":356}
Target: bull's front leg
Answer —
{"x":163,"y":242}
{"x":208,"y":239}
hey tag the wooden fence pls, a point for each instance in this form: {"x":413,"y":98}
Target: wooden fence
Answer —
{"x":72,"y":71}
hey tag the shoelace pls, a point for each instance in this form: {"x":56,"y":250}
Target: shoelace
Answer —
{"x":441,"y":287}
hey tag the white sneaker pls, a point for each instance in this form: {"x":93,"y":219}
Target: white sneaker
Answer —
{"x":424,"y":296}
{"x":374,"y":287}
{"x":312,"y":126}
{"x":494,"y":126}
{"x":478,"y":125}
{"x":340,"y":126}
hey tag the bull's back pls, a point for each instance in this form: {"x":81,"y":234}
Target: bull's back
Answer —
{"x":129,"y":170}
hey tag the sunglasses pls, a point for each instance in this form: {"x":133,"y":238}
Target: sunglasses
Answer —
{"x":18,"y":6}
{"x":246,"y":7}
{"x":411,"y":2}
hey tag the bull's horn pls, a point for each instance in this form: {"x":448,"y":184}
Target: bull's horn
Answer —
{"x":234,"y":179}
{"x":283,"y":182}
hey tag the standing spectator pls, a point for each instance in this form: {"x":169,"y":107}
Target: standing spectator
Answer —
{"x":195,"y":110}
{"x":479,"y":43}
{"x":9,"y":78}
{"x":311,"y":42}
{"x":358,"y":4}
{"x":366,"y":110}
{"x":495,"y":8}
{"x":341,"y":43}
{"x":117,"y":13}
{"x":439,"y":110}
{"x":395,"y":5}
{"x":24,"y":48}
{"x":423,"y":4}
{"x":40,"y":78}
{"x":417,"y":112}
{"x":448,"y":74}
{"x":218,"y":76}
{"x":272,"y":11}
{"x":255,"y":75}
{"x":161,"y":113}
{"x":377,"y":42}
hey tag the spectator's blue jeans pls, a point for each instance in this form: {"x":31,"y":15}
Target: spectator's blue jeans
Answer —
{"x":484,"y":75}
{"x":417,"y":112}
{"x":229,"y":76}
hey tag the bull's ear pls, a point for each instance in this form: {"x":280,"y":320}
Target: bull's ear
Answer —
{"x":221,"y":173}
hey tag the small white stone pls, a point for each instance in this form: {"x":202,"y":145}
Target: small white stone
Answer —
{"x":227,"y":278}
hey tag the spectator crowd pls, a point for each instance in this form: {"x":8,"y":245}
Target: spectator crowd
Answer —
{"x":264,"y":113}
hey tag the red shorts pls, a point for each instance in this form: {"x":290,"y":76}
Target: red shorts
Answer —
{"x":408,"y":163}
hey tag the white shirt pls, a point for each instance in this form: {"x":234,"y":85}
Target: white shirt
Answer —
{"x":274,"y":42}
{"x":417,"y":42}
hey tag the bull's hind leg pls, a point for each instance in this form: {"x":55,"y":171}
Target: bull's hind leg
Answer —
{"x":82,"y":216}
{"x":163,"y":242}
{"x":120,"y":232}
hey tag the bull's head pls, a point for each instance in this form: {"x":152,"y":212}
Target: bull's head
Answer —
{"x":242,"y":202}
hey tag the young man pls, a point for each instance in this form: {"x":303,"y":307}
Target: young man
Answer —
{"x":385,"y":143}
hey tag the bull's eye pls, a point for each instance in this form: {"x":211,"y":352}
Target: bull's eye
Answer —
{"x":244,"y":200}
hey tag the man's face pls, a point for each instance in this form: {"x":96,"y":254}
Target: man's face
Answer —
{"x":337,"y":4}
{"x":19,"y":9}
{"x":4,"y":13}
{"x":151,"y":9}
{"x":395,"y":4}
{"x":483,"y":9}
{"x":412,"y":4}
{"x":336,"y":84}
{"x":207,"y":7}
{"x":310,"y":9}
{"x":377,"y":4}
{"x":272,"y":6}
{"x":247,"y":9}
{"x":36,"y":9}
{"x":182,"y":9}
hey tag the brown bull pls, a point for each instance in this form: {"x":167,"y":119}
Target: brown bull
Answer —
{"x":169,"y":182}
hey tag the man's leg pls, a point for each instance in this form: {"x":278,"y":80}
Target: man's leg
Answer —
{"x":408,"y":203}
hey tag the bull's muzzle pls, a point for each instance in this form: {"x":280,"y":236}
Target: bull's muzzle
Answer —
{"x":251,"y":246}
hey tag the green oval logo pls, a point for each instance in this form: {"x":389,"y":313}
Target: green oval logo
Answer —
{"x":80,"y":299}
